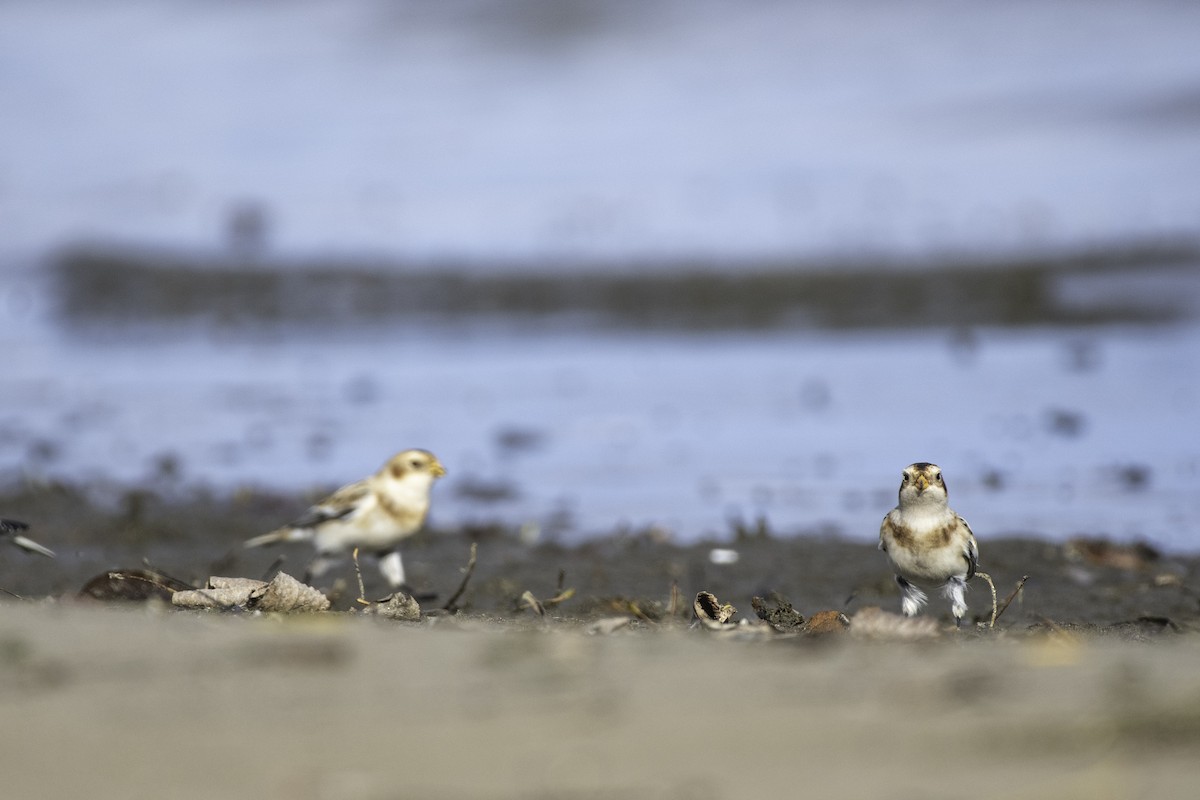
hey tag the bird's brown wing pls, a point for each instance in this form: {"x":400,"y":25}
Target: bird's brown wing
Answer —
{"x":342,"y":503}
{"x":970,"y":550}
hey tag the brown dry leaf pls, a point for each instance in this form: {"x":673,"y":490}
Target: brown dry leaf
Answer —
{"x":222,"y":595}
{"x":285,"y":593}
{"x":239,"y":584}
{"x":711,"y":613}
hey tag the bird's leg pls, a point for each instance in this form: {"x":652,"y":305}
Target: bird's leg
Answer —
{"x":393,"y":569}
{"x":954,"y":590}
{"x":362,"y":593}
{"x":913,"y":598}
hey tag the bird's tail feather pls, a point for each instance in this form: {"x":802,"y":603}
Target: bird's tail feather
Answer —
{"x":280,"y":535}
{"x":31,"y":546}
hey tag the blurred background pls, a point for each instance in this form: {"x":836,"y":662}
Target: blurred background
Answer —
{"x":679,"y":265}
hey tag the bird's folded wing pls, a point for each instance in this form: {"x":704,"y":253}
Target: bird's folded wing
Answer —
{"x":970,"y":550}
{"x":342,"y":503}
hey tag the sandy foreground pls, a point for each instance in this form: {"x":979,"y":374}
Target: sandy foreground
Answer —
{"x":108,"y":702}
{"x":1088,"y":686}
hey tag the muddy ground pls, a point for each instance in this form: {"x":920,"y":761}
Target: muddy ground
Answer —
{"x":1087,"y":687}
{"x":1079,"y":583}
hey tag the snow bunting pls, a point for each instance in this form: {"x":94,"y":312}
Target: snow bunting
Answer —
{"x":374,"y":514}
{"x":8,"y":526}
{"x":930,"y":546}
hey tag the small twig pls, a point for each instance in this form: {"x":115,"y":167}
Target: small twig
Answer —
{"x":362,"y":592}
{"x":636,"y":610}
{"x":154,"y":580}
{"x":676,"y":605}
{"x":988,"y":578}
{"x":272,"y":570}
{"x":1008,"y":600}
{"x":462,"y":587}
{"x":562,"y":596}
{"x":10,"y":593}
{"x":562,"y":579}
{"x":165,"y":575}
{"x":532,"y":603}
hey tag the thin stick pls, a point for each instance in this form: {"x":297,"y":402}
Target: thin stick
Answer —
{"x":362,"y":592}
{"x":561,"y":597}
{"x":161,"y":574}
{"x":988,"y":578}
{"x":532,"y":603}
{"x":273,"y":570}
{"x":462,"y":587}
{"x":1008,"y":600}
{"x":13,"y":594}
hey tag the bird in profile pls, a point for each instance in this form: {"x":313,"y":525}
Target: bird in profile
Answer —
{"x":9,"y":530}
{"x":930,"y":547}
{"x":374,"y":514}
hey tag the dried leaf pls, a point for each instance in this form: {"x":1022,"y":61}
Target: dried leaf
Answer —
{"x":248,"y":584}
{"x":711,"y":613}
{"x":285,"y":593}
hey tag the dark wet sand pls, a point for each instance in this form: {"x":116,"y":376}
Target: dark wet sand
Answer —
{"x":1120,"y":589}
{"x":1087,"y":687}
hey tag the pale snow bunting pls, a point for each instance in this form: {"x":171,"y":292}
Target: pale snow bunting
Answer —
{"x":373,"y":514}
{"x":930,"y":546}
{"x":8,"y":526}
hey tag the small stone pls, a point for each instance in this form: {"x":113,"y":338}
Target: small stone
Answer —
{"x":398,"y":606}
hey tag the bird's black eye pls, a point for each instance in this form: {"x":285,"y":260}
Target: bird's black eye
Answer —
{"x":939,"y":477}
{"x":904,"y":477}
{"x":415,"y":464}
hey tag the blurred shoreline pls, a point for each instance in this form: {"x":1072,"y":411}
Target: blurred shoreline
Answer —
{"x":101,"y":284}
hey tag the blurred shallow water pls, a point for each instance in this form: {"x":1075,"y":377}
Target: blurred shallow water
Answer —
{"x":1051,"y":431}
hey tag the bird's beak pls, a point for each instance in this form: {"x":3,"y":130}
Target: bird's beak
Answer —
{"x":922,"y":483}
{"x":437,"y":469}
